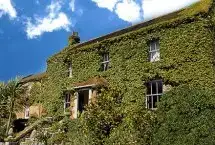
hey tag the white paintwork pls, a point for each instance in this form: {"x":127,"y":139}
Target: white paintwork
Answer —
{"x":75,"y":107}
{"x":90,"y":95}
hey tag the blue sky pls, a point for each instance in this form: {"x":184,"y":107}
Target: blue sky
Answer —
{"x":33,"y":30}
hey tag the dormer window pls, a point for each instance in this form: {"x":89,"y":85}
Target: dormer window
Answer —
{"x":70,"y":69}
{"x":154,"y":51}
{"x":105,"y":61}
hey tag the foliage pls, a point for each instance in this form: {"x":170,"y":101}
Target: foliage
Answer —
{"x":186,"y":116}
{"x":4,"y":111}
{"x":103,"y":115}
{"x":187,"y":57}
{"x":36,"y":93}
{"x":135,"y":129}
{"x":13,"y":98}
{"x":104,"y":122}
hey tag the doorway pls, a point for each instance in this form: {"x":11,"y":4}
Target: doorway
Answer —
{"x":83,"y":100}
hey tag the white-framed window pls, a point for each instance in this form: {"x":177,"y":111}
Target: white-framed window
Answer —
{"x":27,"y":112}
{"x":154,"y":93}
{"x":70,"y":69}
{"x":105,"y":61}
{"x":154,"y":50}
{"x":67,"y":99}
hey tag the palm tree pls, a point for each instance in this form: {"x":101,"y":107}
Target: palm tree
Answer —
{"x":3,"y":111}
{"x":14,"y":92}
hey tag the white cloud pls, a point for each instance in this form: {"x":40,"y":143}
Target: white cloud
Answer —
{"x":108,"y":4}
{"x":55,"y":20}
{"x":129,"y":10}
{"x":155,"y":8}
{"x":6,"y":7}
{"x":72,"y":5}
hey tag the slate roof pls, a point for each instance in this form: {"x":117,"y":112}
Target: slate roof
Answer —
{"x":33,"y":78}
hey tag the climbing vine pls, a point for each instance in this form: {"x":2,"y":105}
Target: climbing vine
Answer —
{"x":187,"y":57}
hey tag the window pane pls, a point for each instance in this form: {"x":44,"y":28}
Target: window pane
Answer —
{"x":105,"y":66}
{"x":154,"y":88}
{"x":157,"y":45}
{"x":150,"y":102}
{"x":155,"y":101}
{"x":152,"y":45}
{"x":160,"y":87}
{"x":105,"y":57}
{"x":154,"y":56}
{"x":67,"y":97}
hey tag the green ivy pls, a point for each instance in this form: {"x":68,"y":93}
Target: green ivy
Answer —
{"x":187,"y":57}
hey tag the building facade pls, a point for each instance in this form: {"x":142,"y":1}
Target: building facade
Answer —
{"x":142,"y":61}
{"x":31,"y":110}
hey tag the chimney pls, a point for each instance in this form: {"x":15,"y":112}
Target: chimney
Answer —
{"x":74,"y":38}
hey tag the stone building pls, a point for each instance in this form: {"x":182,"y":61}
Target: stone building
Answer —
{"x":143,"y":60}
{"x":31,"y":110}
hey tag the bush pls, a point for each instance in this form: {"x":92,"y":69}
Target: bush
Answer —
{"x":102,"y":115}
{"x":186,"y":116}
{"x":107,"y":121}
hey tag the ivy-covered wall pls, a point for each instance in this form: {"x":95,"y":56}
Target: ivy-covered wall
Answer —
{"x":187,"y":57}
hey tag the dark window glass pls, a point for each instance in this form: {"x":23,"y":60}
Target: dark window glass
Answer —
{"x":153,"y":45}
{"x":154,"y":87}
{"x":149,"y":102}
{"x":155,"y":100}
{"x":160,"y":87}
{"x":154,"y":92}
{"x":83,"y":100}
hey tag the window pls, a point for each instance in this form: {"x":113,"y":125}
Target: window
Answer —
{"x":70,"y":69}
{"x":105,"y":61}
{"x":154,"y":51}
{"x":27,"y":112}
{"x":66,"y":101}
{"x":154,"y":93}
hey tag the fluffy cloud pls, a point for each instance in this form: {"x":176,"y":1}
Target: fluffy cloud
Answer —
{"x":6,"y":7}
{"x":108,"y":4}
{"x":72,"y":5}
{"x":55,"y":20}
{"x":129,"y":11}
{"x":155,"y":8}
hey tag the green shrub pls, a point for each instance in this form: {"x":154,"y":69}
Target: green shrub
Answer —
{"x":135,"y":129}
{"x":103,"y":115}
{"x":186,"y":116}
{"x":108,"y":121}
